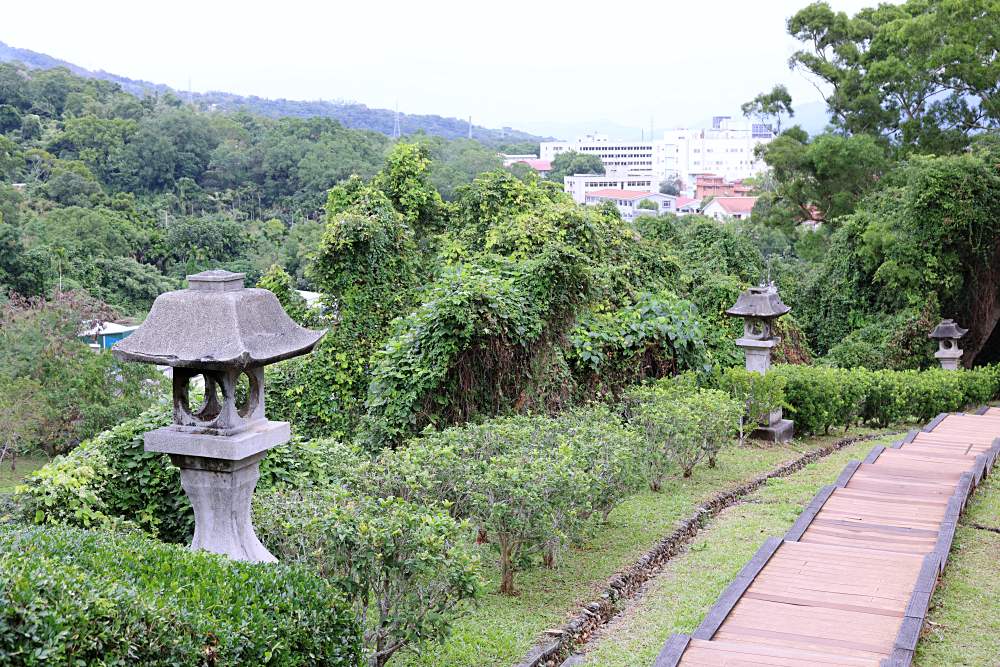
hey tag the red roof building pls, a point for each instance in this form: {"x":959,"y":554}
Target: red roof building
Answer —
{"x":737,"y":208}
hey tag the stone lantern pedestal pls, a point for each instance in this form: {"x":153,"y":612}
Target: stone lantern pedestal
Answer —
{"x":226,"y":334}
{"x":759,"y":307}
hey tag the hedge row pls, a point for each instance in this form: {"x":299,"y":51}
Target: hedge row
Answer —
{"x":819,"y":398}
{"x":532,"y":485}
{"x":78,"y":597}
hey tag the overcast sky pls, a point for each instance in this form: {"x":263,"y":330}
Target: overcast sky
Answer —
{"x":510,"y":62}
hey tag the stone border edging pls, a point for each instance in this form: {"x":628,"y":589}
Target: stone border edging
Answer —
{"x":626,"y":583}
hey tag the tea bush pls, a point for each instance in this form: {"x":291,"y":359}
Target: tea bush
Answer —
{"x":78,"y":597}
{"x":408,"y":569}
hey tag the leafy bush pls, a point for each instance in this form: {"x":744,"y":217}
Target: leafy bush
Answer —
{"x":529,"y":485}
{"x":659,"y":336}
{"x":759,"y":394}
{"x":682,"y":427}
{"x":408,"y":568}
{"x":819,"y":398}
{"x":110,"y":478}
{"x":69,"y":596}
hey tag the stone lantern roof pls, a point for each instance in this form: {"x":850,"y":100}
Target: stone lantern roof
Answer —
{"x":761,"y":302}
{"x":216,"y":323}
{"x":947,"y":329}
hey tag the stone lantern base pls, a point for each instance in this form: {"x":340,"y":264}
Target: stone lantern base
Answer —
{"x":781,"y":430}
{"x":219,"y":474}
{"x":949,"y":359}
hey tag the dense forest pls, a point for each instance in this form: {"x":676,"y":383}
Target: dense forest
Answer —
{"x":350,"y":114}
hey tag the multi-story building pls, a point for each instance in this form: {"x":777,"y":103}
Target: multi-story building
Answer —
{"x":726,"y":150}
{"x":630,"y":202}
{"x":580,"y":185}
{"x":710,"y":185}
{"x":656,"y":159}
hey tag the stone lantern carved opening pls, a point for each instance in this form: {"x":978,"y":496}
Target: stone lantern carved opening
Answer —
{"x":233,"y":400}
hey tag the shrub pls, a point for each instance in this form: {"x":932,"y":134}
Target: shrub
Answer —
{"x":528,"y":484}
{"x":758,"y":394}
{"x":70,"y":596}
{"x":111,"y":478}
{"x":407,"y":568}
{"x":682,"y":427}
{"x":819,"y":397}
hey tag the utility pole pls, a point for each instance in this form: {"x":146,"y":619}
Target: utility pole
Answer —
{"x":395,"y":127}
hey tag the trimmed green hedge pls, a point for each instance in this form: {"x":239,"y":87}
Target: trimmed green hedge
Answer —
{"x":110,"y":479}
{"x":819,"y":398}
{"x":76,"y":597}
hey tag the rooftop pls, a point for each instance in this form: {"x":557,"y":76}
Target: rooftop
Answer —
{"x":736,"y":204}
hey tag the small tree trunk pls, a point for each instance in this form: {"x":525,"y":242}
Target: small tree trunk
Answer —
{"x":549,"y":556}
{"x":506,"y":567}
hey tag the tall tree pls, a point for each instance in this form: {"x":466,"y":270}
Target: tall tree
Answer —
{"x":774,"y":104}
{"x":572,"y":162}
{"x":923,"y":74}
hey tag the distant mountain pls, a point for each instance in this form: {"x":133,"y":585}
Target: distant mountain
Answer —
{"x":350,"y":114}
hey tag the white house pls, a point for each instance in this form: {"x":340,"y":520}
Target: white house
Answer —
{"x":686,"y":205}
{"x":580,"y":185}
{"x":729,"y":208}
{"x":628,"y":202}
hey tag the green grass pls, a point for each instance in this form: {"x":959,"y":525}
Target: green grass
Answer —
{"x":502,"y":629}
{"x":25,"y":465}
{"x":679,"y":597}
{"x":963,"y":626}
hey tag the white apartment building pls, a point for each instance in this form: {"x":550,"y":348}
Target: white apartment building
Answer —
{"x":726,"y":149}
{"x":580,"y":185}
{"x":628,"y":202}
{"x":656,"y":159}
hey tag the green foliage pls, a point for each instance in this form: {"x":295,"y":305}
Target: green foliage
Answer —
{"x":408,"y":569}
{"x":570,"y":163}
{"x":822,"y":179}
{"x":921,"y":73}
{"x":405,"y":180}
{"x":682,"y":426}
{"x":74,"y":393}
{"x":758,"y":394}
{"x":111,"y":479}
{"x":819,"y":398}
{"x":774,"y":104}
{"x":659,"y":336}
{"x":280,"y":284}
{"x":927,"y":238}
{"x":76,"y":597}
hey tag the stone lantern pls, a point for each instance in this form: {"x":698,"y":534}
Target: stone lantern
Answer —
{"x":226,"y":334}
{"x":947,"y":334}
{"x":759,"y":307}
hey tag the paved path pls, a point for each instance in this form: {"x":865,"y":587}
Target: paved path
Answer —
{"x":850,"y":582}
